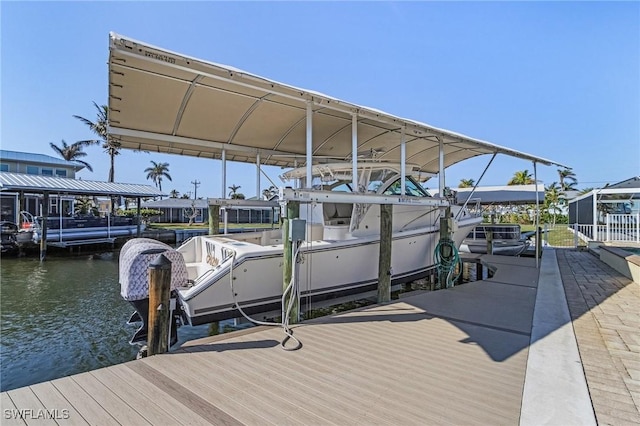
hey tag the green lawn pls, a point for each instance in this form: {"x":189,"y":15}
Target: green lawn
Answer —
{"x":558,"y":235}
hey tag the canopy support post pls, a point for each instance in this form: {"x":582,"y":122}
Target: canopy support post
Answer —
{"x":539,"y":239}
{"x":354,"y":152}
{"x":403,"y":163}
{"x":441,"y":181}
{"x":224,"y":173}
{"x":258,"y":175}
{"x":309,"y":146}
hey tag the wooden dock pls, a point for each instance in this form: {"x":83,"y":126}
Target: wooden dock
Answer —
{"x":456,"y":356}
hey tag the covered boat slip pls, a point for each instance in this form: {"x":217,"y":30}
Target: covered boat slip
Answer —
{"x":19,"y":184}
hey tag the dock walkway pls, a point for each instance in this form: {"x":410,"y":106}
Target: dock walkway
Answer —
{"x":474,"y":354}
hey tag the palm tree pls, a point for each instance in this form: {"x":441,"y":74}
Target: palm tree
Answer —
{"x":552,"y":198}
{"x":85,"y":205}
{"x":174,"y":194}
{"x":568,"y":179}
{"x":233,"y":193}
{"x":522,"y":177}
{"x":110,"y":145}
{"x":466,"y":183}
{"x":157,"y":172}
{"x":71,"y":152}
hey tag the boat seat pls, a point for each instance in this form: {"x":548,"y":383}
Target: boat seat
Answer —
{"x":337,"y":213}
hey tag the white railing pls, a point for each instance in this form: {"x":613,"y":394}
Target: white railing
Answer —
{"x":623,"y":227}
{"x":617,"y":228}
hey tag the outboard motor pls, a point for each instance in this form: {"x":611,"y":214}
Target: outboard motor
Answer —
{"x":135,"y":257}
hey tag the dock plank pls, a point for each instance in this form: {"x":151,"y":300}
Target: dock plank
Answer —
{"x":228,"y":397}
{"x":308,"y":379}
{"x":417,"y":377}
{"x":83,"y":402}
{"x":31,"y":407}
{"x":114,"y":405}
{"x":128,"y":392}
{"x":160,"y":396}
{"x":11,"y":419}
{"x":54,"y":400}
{"x":222,"y":387}
{"x":286,"y":382}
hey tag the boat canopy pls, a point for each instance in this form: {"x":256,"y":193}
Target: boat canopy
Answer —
{"x":167,"y":102}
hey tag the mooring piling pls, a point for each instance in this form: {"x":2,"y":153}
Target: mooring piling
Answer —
{"x":159,"y":311}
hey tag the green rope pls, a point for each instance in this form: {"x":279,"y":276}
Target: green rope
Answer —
{"x":446,"y":258}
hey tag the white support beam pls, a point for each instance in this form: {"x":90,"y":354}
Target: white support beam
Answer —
{"x":224,"y":202}
{"x":223,"y":171}
{"x":441,"y":181}
{"x":258,"y":176}
{"x":403,"y":162}
{"x":538,"y":240}
{"x":314,"y":196}
{"x":309,"y":146}
{"x":354,"y":152}
{"x":595,"y":214}
{"x":154,"y":138}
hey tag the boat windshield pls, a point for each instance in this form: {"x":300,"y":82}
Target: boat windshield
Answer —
{"x":412,"y":189}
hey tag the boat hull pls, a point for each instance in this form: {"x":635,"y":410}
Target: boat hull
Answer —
{"x":326,"y":270}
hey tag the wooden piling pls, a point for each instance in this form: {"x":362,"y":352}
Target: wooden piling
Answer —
{"x":159,"y":292}
{"x":489,"y":236}
{"x":214,"y":219}
{"x":446,"y":254}
{"x":293,"y":211}
{"x":384,"y":259}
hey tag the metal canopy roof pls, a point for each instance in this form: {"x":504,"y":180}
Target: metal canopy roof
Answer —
{"x":39,"y":184}
{"x":509,"y":194}
{"x":167,"y":102}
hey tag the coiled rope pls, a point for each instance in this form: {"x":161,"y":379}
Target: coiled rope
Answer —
{"x":291,"y":291}
{"x":446,"y":257}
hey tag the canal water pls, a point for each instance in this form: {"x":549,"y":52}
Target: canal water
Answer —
{"x":64,"y":316}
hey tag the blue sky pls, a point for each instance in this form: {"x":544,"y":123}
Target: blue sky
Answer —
{"x":557,"y":80}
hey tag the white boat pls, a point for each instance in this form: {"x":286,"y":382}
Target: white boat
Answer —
{"x":62,"y":229}
{"x":338,"y":257}
{"x":507,"y":240}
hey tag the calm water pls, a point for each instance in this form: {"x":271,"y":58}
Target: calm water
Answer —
{"x":63,"y":316}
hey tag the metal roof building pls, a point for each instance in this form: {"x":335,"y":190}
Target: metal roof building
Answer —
{"x":17,"y":182}
{"x":27,"y":157}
